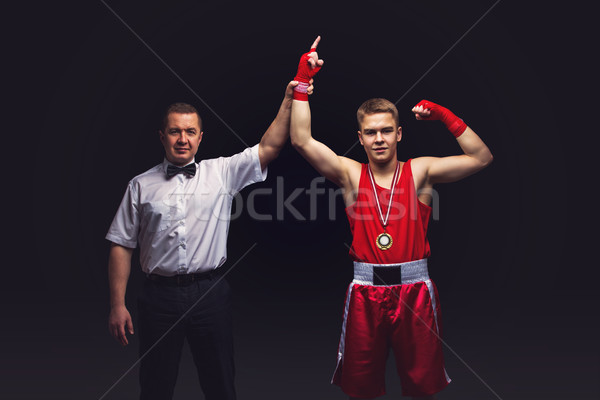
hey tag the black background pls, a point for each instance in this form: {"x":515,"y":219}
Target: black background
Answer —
{"x":512,"y":250}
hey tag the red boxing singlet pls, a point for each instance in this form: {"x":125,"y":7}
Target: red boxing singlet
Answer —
{"x":407,"y":223}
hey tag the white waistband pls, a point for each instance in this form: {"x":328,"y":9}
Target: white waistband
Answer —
{"x":410,"y":272}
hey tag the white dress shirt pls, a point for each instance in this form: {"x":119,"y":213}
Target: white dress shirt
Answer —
{"x":181,"y":223}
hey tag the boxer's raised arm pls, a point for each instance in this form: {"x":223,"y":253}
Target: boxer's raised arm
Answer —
{"x":276,"y":135}
{"x":321,"y":157}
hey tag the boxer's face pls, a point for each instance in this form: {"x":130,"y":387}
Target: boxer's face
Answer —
{"x":379,"y":136}
{"x":181,"y":137}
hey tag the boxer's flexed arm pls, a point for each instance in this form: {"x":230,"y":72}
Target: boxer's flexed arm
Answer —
{"x":322,"y":158}
{"x":432,"y":170}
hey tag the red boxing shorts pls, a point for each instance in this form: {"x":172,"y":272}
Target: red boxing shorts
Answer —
{"x":391,"y":305}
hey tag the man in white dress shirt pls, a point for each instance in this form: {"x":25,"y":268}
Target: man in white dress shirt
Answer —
{"x":178,"y":213}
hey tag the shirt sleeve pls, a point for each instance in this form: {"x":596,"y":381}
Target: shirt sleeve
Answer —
{"x":243,"y":169}
{"x":125,"y":226}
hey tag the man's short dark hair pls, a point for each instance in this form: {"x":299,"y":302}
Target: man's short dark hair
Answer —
{"x":180,"y":108}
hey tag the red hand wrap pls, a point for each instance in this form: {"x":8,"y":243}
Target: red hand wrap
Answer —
{"x":303,"y":76}
{"x":454,"y":124}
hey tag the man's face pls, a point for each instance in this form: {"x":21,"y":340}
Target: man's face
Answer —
{"x":181,"y":137}
{"x":379,"y":136}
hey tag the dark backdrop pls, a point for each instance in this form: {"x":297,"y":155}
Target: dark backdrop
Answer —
{"x":512,"y":249}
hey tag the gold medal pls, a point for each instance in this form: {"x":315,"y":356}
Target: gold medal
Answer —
{"x":384,"y":240}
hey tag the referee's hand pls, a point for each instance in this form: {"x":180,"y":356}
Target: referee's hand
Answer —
{"x":118,"y":320}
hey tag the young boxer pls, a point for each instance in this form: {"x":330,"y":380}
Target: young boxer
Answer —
{"x":392,"y":302}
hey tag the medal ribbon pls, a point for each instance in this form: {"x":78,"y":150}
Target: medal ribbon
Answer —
{"x":387,"y":215}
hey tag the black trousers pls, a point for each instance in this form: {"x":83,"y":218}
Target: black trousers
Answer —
{"x":207,"y":327}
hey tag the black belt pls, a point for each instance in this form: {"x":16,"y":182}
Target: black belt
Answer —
{"x":183,"y":279}
{"x":387,"y":276}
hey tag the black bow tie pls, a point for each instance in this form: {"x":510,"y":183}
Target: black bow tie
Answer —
{"x":172,"y":170}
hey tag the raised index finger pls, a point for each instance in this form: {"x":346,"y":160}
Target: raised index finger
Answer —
{"x":316,"y":42}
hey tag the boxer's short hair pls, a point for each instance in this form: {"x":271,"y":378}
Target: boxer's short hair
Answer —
{"x":375,"y":106}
